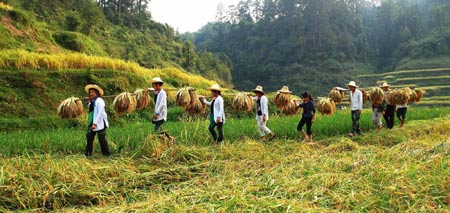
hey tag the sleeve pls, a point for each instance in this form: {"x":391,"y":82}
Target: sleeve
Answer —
{"x":264,"y":106}
{"x":161,"y":103}
{"x":313,"y":108}
{"x":100,"y":105}
{"x":221,"y":111}
{"x":207,"y":102}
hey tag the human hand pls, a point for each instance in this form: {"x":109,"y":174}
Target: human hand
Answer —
{"x":94,"y":126}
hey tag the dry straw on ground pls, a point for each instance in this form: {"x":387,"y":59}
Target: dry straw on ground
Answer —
{"x":336,"y":95}
{"x":124,"y":103}
{"x":326,"y":106}
{"x":292,"y":108}
{"x":376,"y":95}
{"x":142,"y":98}
{"x":183,"y":98}
{"x":243,"y":102}
{"x":70,"y":108}
{"x":282,"y":100}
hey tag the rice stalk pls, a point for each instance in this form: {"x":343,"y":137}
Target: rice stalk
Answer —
{"x":183,"y":98}
{"x":292,"y":108}
{"x":282,"y":100}
{"x":243,"y":102}
{"x":196,"y":106}
{"x":70,"y":108}
{"x":142,"y":98}
{"x":376,"y":95}
{"x":336,"y":95}
{"x":124,"y":102}
{"x":420,"y":93}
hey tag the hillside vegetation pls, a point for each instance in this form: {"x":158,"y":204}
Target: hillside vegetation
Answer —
{"x":317,"y":44}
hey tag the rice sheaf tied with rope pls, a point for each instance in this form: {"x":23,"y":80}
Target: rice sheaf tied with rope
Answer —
{"x":183,"y":97}
{"x":376,"y":95}
{"x":70,"y":108}
{"x":142,"y":99}
{"x":326,"y":106}
{"x":336,"y":95}
{"x":196,"y":106}
{"x":243,"y":102}
{"x":124,"y":103}
{"x":282,"y":100}
{"x":292,"y":108}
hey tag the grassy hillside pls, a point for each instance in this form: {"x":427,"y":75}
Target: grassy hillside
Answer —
{"x":397,"y":170}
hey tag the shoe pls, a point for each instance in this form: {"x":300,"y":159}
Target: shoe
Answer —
{"x":272,"y":137}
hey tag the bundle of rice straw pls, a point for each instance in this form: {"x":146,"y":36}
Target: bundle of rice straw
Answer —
{"x":243,"y":102}
{"x":142,"y":98}
{"x":376,"y":95}
{"x":400,"y":96}
{"x":326,"y":106}
{"x":124,"y":102}
{"x":365,"y":95}
{"x":195,"y":106}
{"x":183,"y":98}
{"x":291,"y":108}
{"x":70,"y":108}
{"x":336,"y":95}
{"x":419,"y":94}
{"x":282,"y":100}
{"x":390,"y":96}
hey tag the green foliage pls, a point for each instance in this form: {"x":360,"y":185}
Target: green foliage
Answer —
{"x":78,"y":42}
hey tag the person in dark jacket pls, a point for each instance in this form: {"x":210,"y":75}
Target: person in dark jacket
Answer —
{"x":308,"y":116}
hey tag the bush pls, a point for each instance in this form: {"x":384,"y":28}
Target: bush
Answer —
{"x":78,"y":42}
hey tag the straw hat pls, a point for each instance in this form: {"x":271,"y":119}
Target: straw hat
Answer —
{"x":157,"y":80}
{"x":352,"y":84}
{"x":259,"y":89}
{"x":284,"y":89}
{"x":215,"y":87}
{"x":93,"y":86}
{"x":385,"y":85}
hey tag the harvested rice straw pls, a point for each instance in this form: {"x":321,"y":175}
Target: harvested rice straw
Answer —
{"x":183,"y":98}
{"x":70,"y":108}
{"x":336,"y":95}
{"x":376,"y":95}
{"x":124,"y":102}
{"x":282,"y":100}
{"x":291,"y":109}
{"x":195,"y":106}
{"x":326,"y":106}
{"x":420,"y":93}
{"x":390,"y":96}
{"x":142,"y":98}
{"x":400,"y":96}
{"x":365,"y":95}
{"x":243,"y":102}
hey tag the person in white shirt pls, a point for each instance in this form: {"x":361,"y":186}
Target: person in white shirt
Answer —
{"x":401,"y":113}
{"x":97,"y":120}
{"x":160,"y":114}
{"x":217,"y":114}
{"x":356,"y":99}
{"x":262,"y":114}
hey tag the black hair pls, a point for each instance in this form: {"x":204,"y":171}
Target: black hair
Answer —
{"x":307,"y":95}
{"x":96,"y":91}
{"x":160,"y":83}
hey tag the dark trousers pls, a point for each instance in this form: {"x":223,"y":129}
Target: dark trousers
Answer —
{"x":212,"y":125}
{"x":90,"y":136}
{"x":355,"y":122}
{"x":389,"y":116}
{"x":158,"y":128}
{"x":308,"y":122}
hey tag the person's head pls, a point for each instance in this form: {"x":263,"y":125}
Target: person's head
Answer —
{"x":307,"y":97}
{"x":385,"y":87}
{"x":215,"y":93}
{"x":215,"y":90}
{"x":352,"y":86}
{"x":93,"y":93}
{"x":157,"y":83}
{"x":259,"y":91}
{"x":259,"y":94}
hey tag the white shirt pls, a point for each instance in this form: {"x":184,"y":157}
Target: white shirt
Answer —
{"x":356,"y":99}
{"x":264,"y":107}
{"x":100,"y":116}
{"x":402,"y":105}
{"x":218,"y":108}
{"x":161,"y":105}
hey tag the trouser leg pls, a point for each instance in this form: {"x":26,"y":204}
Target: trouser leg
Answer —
{"x":219,"y":129}
{"x":103,"y":143}
{"x":212,"y":125}
{"x":89,"y":142}
{"x":309,"y":126}
{"x":355,"y":122}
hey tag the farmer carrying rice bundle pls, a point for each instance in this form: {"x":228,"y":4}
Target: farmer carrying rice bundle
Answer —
{"x":217,"y":114}
{"x":356,"y":105}
{"x":262,"y":114}
{"x":389,"y":112}
{"x":308,"y":116}
{"x":378,"y":106}
{"x":160,"y":115}
{"x":97,"y":120}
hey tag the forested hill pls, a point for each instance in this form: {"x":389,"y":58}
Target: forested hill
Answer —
{"x":113,"y":28}
{"x":316,"y":44}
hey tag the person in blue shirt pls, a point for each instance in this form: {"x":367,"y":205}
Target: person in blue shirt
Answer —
{"x":308,"y":116}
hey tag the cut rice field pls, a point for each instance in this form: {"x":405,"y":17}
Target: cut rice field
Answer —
{"x":397,"y":170}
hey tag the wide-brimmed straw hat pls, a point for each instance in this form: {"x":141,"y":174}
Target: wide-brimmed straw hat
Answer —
{"x":385,"y":85}
{"x":284,"y":89}
{"x":352,"y":84}
{"x":157,"y":80}
{"x":93,"y":86}
{"x":215,"y":87}
{"x":259,"y":89}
